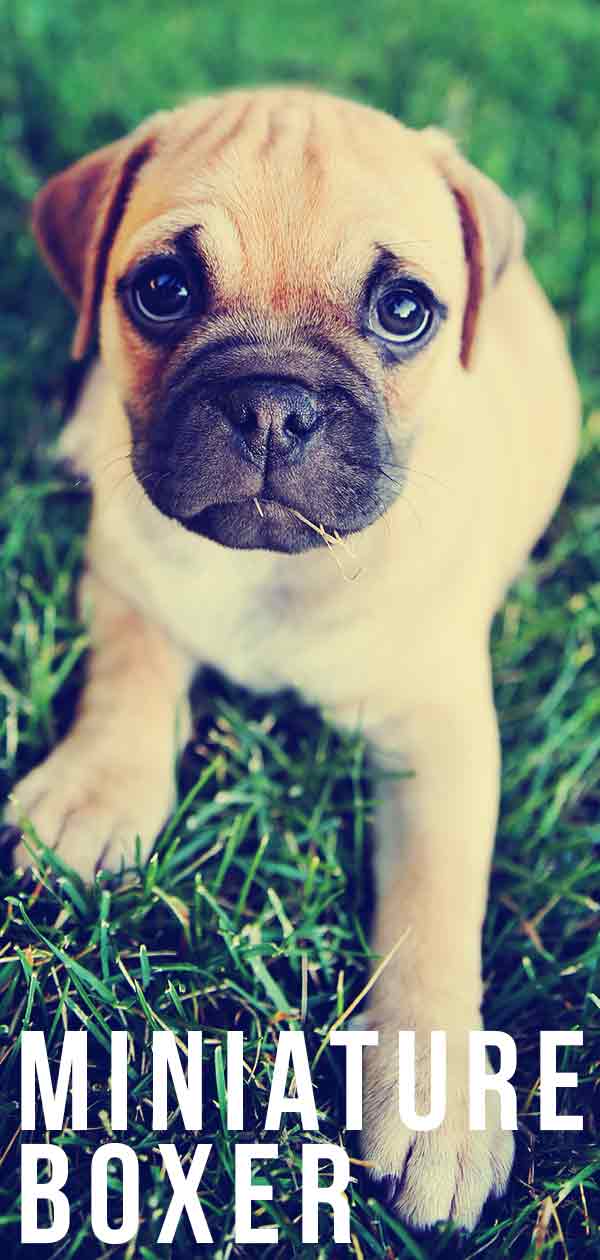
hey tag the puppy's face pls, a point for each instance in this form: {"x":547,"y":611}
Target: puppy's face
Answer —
{"x":283,"y":281}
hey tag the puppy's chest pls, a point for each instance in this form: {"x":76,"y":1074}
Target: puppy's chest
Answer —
{"x":274,"y":638}
{"x":264,"y":631}
{"x":269,"y":641}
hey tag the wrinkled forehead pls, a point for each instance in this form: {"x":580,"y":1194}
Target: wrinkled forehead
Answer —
{"x":295,"y":184}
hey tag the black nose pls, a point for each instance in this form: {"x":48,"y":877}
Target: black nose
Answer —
{"x":271,"y":414}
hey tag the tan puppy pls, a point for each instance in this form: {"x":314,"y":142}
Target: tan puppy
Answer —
{"x":312,"y":321}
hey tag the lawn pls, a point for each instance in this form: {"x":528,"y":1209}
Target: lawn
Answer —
{"x":252,"y":912}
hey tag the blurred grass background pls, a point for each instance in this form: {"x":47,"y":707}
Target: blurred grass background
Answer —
{"x":226,"y":925}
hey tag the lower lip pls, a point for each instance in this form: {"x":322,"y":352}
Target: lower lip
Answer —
{"x":273,"y":525}
{"x":262,"y":506}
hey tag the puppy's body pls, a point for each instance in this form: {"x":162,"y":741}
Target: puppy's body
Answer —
{"x":294,"y":193}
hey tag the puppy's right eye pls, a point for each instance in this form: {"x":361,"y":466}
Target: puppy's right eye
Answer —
{"x":161,"y":292}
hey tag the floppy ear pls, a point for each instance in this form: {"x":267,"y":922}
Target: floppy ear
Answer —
{"x":493,"y":230}
{"x":75,"y":217}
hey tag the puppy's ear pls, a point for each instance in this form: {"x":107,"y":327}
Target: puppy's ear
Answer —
{"x":493,"y":230}
{"x":75,"y":217}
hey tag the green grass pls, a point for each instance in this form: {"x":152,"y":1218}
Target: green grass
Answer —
{"x":253,"y":904}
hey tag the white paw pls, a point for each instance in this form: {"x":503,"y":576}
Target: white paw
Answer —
{"x":89,"y":807}
{"x":446,"y":1173}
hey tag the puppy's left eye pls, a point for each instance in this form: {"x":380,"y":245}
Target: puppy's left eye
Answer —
{"x":401,"y":313}
{"x":161,"y":292}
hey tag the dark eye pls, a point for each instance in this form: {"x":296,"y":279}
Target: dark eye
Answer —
{"x":161,"y":292}
{"x":401,"y":313}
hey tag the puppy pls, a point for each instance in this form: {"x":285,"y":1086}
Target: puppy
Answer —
{"x":320,"y":350}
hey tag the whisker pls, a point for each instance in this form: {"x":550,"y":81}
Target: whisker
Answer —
{"x":119,"y":459}
{"x":403,"y":498}
{"x":408,"y":469}
{"x":128,"y":476}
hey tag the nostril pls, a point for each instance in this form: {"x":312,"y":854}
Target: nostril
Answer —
{"x":301,"y":421}
{"x":247,"y":417}
{"x":241,"y":412}
{"x":295,"y":424}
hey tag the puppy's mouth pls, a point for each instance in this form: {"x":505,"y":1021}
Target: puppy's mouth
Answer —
{"x":267,"y":519}
{"x":263,"y":461}
{"x":261,"y":522}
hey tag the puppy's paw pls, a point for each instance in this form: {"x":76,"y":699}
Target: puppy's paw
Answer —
{"x":89,"y":807}
{"x":444,"y":1174}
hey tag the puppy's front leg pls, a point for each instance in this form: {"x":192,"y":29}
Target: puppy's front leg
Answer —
{"x":111,"y":779}
{"x":436,"y":833}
